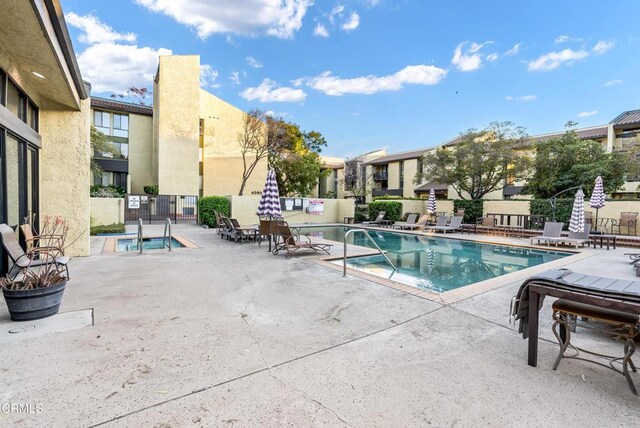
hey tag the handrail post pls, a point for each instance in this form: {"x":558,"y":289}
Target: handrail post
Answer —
{"x":344,"y":256}
{"x":139,"y":243}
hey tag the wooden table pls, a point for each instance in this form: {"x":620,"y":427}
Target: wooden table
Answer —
{"x":608,"y":238}
{"x":621,"y":295}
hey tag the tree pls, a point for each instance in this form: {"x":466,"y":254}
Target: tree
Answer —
{"x":99,"y":144}
{"x":355,"y":178}
{"x":139,"y":94}
{"x":254,"y":143}
{"x":482,"y":161}
{"x":294,"y":156}
{"x":568,"y":161}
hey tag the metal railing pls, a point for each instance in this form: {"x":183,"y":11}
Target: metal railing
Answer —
{"x":167,"y":228}
{"x":139,"y":237}
{"x":344,"y":257}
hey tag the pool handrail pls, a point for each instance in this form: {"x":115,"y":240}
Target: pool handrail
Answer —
{"x":344,"y":255}
{"x":139,"y":237}
{"x":167,"y":225}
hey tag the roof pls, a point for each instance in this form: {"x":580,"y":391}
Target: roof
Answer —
{"x":121,"y":106}
{"x":414,"y":154}
{"x":431,"y":185}
{"x":630,"y":117}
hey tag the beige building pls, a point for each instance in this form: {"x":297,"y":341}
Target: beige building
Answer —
{"x":187,"y":143}
{"x":44,"y":121}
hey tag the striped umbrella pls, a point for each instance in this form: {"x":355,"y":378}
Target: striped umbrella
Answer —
{"x":431,"y":203}
{"x":597,"y":198}
{"x":269,"y":205}
{"x":577,"y":213}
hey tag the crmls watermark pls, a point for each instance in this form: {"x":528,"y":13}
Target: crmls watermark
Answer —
{"x":20,"y":408}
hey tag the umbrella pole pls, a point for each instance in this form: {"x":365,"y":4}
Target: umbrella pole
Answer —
{"x":595,"y":226}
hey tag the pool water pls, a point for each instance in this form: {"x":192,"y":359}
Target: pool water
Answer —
{"x":436,"y":264}
{"x":129,"y":244}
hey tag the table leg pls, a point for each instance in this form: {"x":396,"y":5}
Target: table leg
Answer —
{"x":607,"y":244}
{"x":533,"y":328}
{"x":614,"y":242}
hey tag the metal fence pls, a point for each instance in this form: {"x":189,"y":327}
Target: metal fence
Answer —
{"x":150,"y":208}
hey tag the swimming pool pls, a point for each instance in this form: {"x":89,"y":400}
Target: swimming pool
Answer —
{"x":129,"y":244}
{"x":433,"y":263}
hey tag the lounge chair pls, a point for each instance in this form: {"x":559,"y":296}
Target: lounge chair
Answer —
{"x":236,"y":232}
{"x":420,"y":224}
{"x":454,"y":226}
{"x":441,"y":221}
{"x":54,"y":242}
{"x":377,"y":221}
{"x":411,"y":220}
{"x":576,"y":238}
{"x":551,"y":232}
{"x":39,"y":256}
{"x":220,"y":226}
{"x":289,"y":241}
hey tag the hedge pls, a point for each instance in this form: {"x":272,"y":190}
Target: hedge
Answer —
{"x":393,"y":210}
{"x":473,"y":209}
{"x":107,"y":228}
{"x":151,"y":189}
{"x":208,"y":204}
{"x":361,"y":213}
{"x":543,"y":207}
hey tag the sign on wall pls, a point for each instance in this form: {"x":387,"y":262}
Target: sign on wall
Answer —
{"x":316,"y":207}
{"x":133,"y":202}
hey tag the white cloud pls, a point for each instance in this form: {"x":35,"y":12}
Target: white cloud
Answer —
{"x":524,"y":98}
{"x":612,"y":82}
{"x":588,"y":113}
{"x":279,"y":18}
{"x":336,"y":11}
{"x":469,"y":59}
{"x":231,"y":41}
{"x":412,"y":74}
{"x":320,"y":31}
{"x":514,"y":50}
{"x":564,"y":38}
{"x":276,"y":114}
{"x":492,"y":57}
{"x":111,"y":67}
{"x":208,"y":76}
{"x":553,"y":60}
{"x":94,"y":31}
{"x":253,"y":62}
{"x":235,"y":77}
{"x":352,"y":23}
{"x":603,"y":46}
{"x":268,"y":91}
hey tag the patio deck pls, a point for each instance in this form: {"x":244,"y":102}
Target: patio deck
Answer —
{"x":230,"y":335}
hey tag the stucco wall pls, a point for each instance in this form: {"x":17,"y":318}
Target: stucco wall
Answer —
{"x":414,"y":206}
{"x":107,"y":211}
{"x":393,"y":181}
{"x":244,"y":208}
{"x":140,"y":152}
{"x":223,"y":176}
{"x":64,"y":171}
{"x":177,"y":108}
{"x":410,"y":170}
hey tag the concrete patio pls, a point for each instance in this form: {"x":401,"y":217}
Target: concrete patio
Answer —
{"x":230,"y":335}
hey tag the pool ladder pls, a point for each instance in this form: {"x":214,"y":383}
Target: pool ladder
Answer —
{"x":167,"y":234}
{"x":344,"y":257}
{"x":139,"y":237}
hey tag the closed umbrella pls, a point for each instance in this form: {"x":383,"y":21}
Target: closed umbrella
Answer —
{"x":431,"y":202}
{"x":269,"y":205}
{"x":576,"y":224}
{"x":597,"y":199}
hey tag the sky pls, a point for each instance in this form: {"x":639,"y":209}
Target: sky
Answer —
{"x":370,"y":74}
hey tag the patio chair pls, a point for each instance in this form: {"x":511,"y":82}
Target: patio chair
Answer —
{"x":23,"y":262}
{"x":551,"y":232}
{"x":219,"y":223}
{"x":291,"y":242}
{"x":377,"y":221}
{"x":411,"y":220}
{"x":577,"y":238}
{"x":55,"y":242}
{"x":460,"y":212}
{"x":441,"y":221}
{"x":236,"y":232}
{"x":488,"y":221}
{"x":628,"y":220}
{"x":454,"y":226}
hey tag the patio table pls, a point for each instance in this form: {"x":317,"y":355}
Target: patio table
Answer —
{"x":601,"y":238}
{"x":617,"y":294}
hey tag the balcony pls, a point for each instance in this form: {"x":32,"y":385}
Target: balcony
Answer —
{"x":386,"y":192}
{"x":380,"y":176}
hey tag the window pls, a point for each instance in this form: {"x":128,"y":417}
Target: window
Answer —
{"x":13,"y":98}
{"x":401,"y":174}
{"x":102,"y":121}
{"x":122,"y":151}
{"x":120,"y":125}
{"x":33,"y":116}
{"x":120,"y":179}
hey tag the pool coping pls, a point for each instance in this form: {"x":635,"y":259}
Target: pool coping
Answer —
{"x":461,"y":293}
{"x":111,"y":243}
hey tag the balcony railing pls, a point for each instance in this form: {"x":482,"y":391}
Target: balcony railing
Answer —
{"x":386,"y":192}
{"x":380,"y":176}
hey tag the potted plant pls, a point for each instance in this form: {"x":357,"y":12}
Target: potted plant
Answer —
{"x":37,"y":291}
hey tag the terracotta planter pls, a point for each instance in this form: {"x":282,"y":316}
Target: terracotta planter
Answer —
{"x":27,"y":305}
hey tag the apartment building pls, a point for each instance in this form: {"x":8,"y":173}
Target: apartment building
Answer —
{"x":187,"y":143}
{"x":44,"y":122}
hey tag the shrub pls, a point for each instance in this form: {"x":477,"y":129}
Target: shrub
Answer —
{"x":543,"y":207}
{"x":209,"y":204}
{"x":107,"y":228}
{"x":110,"y":191}
{"x":151,"y":189}
{"x":473,"y":209}
{"x":361,"y":213}
{"x":393,"y":210}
